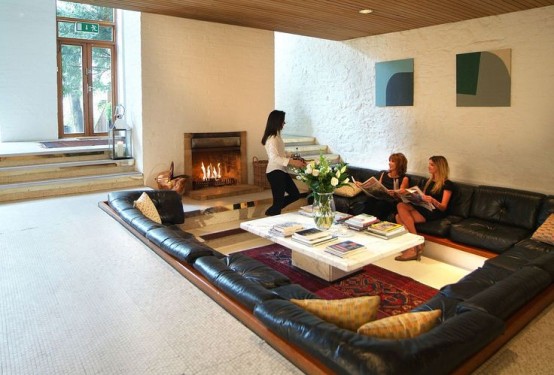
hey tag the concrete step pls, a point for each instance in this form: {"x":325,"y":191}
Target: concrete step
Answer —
{"x":51,"y":156}
{"x":66,"y":169}
{"x":308,"y":149}
{"x":66,"y":186}
{"x":297,"y":140}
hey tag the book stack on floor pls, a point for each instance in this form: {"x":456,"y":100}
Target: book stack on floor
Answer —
{"x":345,"y":249}
{"x":386,"y":230}
{"x":286,"y":229}
{"x":312,"y":236}
{"x":361,"y":221}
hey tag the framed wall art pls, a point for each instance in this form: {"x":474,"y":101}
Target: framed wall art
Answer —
{"x":394,"y":83}
{"x":483,"y":79}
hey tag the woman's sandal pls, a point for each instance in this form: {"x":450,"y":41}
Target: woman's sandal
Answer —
{"x":404,"y":258}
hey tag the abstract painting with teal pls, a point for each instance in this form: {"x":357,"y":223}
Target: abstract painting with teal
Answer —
{"x":483,"y":79}
{"x":394,"y":83}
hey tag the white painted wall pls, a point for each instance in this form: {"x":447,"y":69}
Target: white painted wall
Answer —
{"x":202,"y":77}
{"x":328,"y":90}
{"x":28,"y":97}
{"x":129,"y":85}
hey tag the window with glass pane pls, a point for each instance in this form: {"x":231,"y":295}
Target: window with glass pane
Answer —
{"x":84,"y":11}
{"x":101,"y":88}
{"x":72,"y":83}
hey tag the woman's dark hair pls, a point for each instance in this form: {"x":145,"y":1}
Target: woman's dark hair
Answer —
{"x":401,"y":163}
{"x":275,"y":122}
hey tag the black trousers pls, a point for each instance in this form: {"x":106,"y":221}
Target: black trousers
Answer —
{"x":281,"y":183}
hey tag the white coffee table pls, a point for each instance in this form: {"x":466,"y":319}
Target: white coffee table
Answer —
{"x":316,"y":261}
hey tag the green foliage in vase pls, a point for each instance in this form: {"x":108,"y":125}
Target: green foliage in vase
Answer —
{"x":323,"y":177}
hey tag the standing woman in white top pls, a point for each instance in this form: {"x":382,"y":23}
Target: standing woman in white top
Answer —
{"x":276,"y":172}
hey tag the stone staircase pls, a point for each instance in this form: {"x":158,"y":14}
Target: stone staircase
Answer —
{"x":64,"y":171}
{"x":308,"y":148}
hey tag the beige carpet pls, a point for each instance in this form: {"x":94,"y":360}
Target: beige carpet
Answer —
{"x":81,"y":295}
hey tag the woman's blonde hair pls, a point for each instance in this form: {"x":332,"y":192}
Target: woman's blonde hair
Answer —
{"x":401,"y":163}
{"x":441,"y":175}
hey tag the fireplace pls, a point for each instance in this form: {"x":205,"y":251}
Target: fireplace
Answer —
{"x":215,"y":160}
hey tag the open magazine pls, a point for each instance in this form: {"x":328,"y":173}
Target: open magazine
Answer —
{"x":373,"y":188}
{"x":414,"y":195}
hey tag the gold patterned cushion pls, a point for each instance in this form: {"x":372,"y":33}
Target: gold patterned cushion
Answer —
{"x":349,"y":191}
{"x":348,"y":313}
{"x":401,"y":326}
{"x":145,"y":205}
{"x":545,"y":233}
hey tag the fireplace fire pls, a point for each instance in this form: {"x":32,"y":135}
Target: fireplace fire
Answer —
{"x":215,"y":159}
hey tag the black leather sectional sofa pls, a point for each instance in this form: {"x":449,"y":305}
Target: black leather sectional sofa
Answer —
{"x":494,"y":219}
{"x":479,"y":313}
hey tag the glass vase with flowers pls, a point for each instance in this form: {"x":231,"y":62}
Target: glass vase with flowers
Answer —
{"x":323,"y":178}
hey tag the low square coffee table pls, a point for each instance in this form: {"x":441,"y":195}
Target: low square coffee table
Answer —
{"x":316,"y":261}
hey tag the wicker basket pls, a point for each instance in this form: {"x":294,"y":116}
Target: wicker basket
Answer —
{"x":260,"y":178}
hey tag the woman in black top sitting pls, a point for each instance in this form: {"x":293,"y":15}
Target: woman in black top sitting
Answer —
{"x":438,"y":191}
{"x":394,"y":179}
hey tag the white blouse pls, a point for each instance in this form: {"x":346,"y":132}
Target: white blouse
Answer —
{"x":277,"y":157}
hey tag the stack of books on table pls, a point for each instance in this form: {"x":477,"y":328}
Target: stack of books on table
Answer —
{"x":306,"y":210}
{"x":312,"y":236}
{"x":386,"y":230}
{"x":286,"y":229}
{"x":345,"y":249}
{"x":361,"y":221}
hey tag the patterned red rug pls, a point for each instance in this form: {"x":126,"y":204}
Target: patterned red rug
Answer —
{"x":399,"y":294}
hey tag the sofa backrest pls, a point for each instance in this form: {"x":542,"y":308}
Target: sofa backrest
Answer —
{"x":168,"y":203}
{"x":506,"y":206}
{"x":361,"y":174}
{"x":547,"y":208}
{"x":460,"y":202}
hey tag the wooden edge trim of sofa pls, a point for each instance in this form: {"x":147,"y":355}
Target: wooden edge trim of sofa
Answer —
{"x":514,"y":325}
{"x":458,"y":246}
{"x":295,"y":355}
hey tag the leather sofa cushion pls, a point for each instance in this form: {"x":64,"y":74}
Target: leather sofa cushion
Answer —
{"x":514,"y":258}
{"x":486,"y":234}
{"x":530,"y":244}
{"x":438,"y":351}
{"x":544,"y":262}
{"x":168,"y":203}
{"x":295,"y":291}
{"x":439,"y":228}
{"x":516,"y":208}
{"x":508,"y":295}
{"x":242,"y":290}
{"x":350,"y":205}
{"x":181,"y":245}
{"x":256,"y":271}
{"x":475,"y":282}
{"x":439,"y":302}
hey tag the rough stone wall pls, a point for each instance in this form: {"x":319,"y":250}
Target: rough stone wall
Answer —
{"x":327,"y":89}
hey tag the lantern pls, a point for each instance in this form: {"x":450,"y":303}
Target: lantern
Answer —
{"x":120,"y":137}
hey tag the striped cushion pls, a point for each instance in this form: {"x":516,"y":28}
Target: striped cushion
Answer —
{"x":348,"y":313}
{"x":401,"y":326}
{"x":145,"y":205}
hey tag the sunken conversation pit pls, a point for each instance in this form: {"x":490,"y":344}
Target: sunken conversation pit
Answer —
{"x":478,"y":313}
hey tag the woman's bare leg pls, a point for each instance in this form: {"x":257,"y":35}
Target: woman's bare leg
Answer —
{"x":409,"y":216}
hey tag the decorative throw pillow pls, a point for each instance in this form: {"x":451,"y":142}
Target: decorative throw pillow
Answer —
{"x":348,"y":313}
{"x":401,"y":326}
{"x":145,"y":205}
{"x":545,"y":233}
{"x":349,"y":191}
